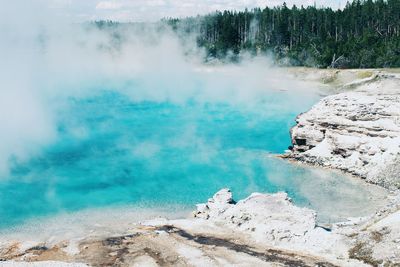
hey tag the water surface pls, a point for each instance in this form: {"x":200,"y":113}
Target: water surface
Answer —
{"x":113,"y":151}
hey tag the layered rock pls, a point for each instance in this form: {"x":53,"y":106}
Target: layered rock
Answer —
{"x":261,"y":230}
{"x":270,"y":217}
{"x":273,"y":220}
{"x":356,"y":131}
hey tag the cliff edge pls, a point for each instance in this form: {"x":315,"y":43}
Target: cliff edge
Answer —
{"x":357,"y":131}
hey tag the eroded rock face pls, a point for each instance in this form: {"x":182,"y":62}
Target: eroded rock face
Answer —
{"x":356,"y":131}
{"x":272,"y":216}
{"x":271,"y":219}
{"x":221,"y":234}
{"x":261,"y":230}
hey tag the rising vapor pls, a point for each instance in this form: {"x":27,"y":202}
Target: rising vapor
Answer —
{"x":47,"y":59}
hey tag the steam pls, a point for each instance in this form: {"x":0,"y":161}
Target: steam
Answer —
{"x":45,"y":60}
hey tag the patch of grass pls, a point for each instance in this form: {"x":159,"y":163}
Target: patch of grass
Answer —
{"x":364,"y":74}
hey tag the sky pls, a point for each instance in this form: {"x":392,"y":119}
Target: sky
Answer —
{"x":152,"y":10}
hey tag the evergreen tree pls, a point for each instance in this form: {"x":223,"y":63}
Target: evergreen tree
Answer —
{"x":366,"y":33}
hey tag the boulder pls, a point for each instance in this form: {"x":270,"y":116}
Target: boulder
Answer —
{"x":269,"y":216}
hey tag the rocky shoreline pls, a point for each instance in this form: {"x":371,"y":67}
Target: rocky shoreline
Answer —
{"x":357,"y":131}
{"x":264,"y":230}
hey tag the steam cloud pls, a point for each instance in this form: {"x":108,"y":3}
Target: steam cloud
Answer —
{"x":46,"y":59}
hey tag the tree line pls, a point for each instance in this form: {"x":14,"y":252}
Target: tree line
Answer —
{"x":364,"y":34}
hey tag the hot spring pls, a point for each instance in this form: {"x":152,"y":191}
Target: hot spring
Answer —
{"x":117,"y":151}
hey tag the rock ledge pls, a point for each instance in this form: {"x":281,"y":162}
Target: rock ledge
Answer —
{"x":356,"y":131}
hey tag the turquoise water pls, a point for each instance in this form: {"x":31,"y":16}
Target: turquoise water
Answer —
{"x":114,"y":151}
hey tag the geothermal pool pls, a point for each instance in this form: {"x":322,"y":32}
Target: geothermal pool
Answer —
{"x":113,"y":151}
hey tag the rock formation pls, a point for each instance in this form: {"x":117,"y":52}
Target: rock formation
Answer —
{"x":356,"y":131}
{"x":262,"y":230}
{"x":269,"y":217}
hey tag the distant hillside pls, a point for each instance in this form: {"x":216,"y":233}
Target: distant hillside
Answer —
{"x":365,"y":34}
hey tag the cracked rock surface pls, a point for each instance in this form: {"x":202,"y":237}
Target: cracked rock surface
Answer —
{"x":261,"y":230}
{"x":356,"y":131}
